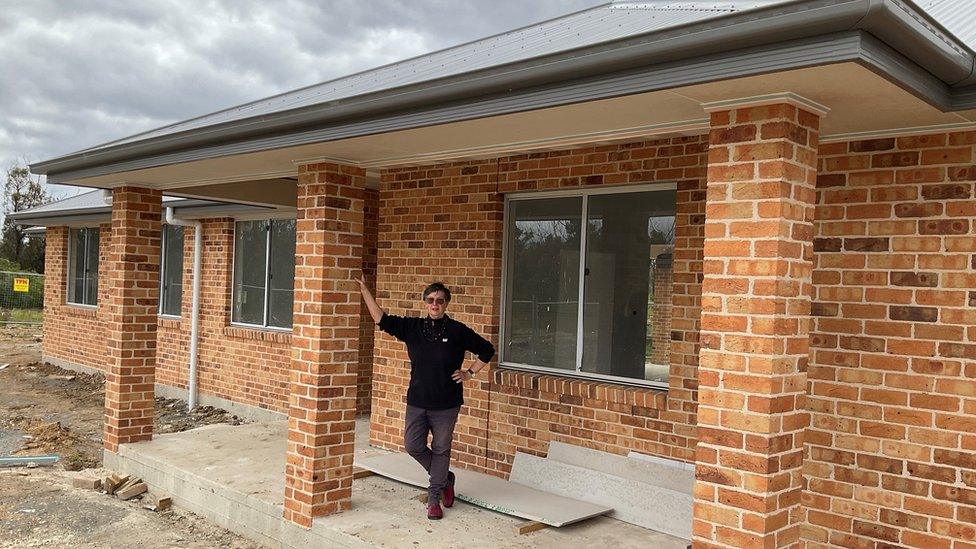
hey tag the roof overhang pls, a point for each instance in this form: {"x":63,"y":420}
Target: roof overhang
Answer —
{"x":891,"y":37}
{"x":187,"y":208}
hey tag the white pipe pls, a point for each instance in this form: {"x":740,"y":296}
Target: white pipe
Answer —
{"x":195,"y":314}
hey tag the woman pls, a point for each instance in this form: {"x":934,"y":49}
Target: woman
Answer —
{"x":436,"y":345}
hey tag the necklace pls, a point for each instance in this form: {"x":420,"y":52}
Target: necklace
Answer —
{"x":433,"y":329}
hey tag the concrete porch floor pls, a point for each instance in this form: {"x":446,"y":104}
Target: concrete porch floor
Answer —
{"x":234,"y":476}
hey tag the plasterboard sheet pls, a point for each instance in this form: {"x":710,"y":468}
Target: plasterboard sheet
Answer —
{"x":664,"y":461}
{"x":490,"y":492}
{"x":670,"y":475}
{"x":641,"y":503}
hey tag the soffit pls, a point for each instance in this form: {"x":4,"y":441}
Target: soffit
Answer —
{"x":846,"y":88}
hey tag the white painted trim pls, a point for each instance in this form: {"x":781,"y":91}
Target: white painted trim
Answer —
{"x":768,"y":99}
{"x":899,"y":132}
{"x":330,"y":159}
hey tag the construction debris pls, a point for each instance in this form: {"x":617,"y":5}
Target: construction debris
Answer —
{"x":131,"y":491}
{"x":113,"y":482}
{"x":529,"y":527}
{"x":87,"y":483}
{"x":28,"y":461}
{"x":162,"y":504}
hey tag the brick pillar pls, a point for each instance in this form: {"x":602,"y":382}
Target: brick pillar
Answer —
{"x":325,"y":339}
{"x":131,"y":307}
{"x":755,"y":323}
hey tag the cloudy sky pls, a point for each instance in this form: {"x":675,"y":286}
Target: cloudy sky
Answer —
{"x":78,"y":73}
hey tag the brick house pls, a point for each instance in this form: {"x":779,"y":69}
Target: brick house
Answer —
{"x":736,"y":234}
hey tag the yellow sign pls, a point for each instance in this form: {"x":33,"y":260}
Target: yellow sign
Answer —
{"x":21,"y":284}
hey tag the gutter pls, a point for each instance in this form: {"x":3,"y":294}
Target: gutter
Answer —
{"x":195,"y":308}
{"x":898,"y":23}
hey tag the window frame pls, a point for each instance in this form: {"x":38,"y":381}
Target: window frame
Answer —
{"x":507,"y":269}
{"x":163,"y":245}
{"x":71,"y":257}
{"x":267,"y":274}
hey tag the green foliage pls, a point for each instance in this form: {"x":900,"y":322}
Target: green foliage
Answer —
{"x":22,"y":191}
{"x":10,"y":266}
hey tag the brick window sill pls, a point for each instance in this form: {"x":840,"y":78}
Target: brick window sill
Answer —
{"x":257,"y":334}
{"x":571,"y":390}
{"x":169,"y":323}
{"x":87,"y":311}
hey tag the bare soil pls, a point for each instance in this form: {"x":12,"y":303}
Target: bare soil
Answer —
{"x":47,"y":410}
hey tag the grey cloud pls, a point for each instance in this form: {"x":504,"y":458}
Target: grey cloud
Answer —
{"x":76,"y":74}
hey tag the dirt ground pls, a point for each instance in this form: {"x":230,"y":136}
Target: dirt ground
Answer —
{"x":47,"y":410}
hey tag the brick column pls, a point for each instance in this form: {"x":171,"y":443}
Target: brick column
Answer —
{"x":325,"y":339}
{"x":131,"y":307}
{"x":755,"y":323}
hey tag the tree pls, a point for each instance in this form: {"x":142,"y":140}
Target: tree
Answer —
{"x":22,"y":191}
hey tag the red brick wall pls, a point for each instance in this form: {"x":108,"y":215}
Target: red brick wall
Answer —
{"x":245,"y":365}
{"x":240,"y":364}
{"x":73,"y":333}
{"x":659,"y":316}
{"x":445,"y":222}
{"x":891,"y":451}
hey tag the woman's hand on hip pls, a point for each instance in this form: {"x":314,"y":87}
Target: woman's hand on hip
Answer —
{"x":460,"y":376}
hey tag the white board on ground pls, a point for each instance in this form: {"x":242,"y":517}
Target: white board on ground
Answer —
{"x":635,"y":502}
{"x":664,"y":461}
{"x":664,"y":473}
{"x":490,"y":492}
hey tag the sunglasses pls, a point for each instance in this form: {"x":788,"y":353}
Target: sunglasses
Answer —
{"x":437,"y":300}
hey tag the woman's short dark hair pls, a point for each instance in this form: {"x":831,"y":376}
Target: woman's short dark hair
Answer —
{"x":437,"y":287}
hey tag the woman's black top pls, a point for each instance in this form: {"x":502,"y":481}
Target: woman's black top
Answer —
{"x":436,"y":349}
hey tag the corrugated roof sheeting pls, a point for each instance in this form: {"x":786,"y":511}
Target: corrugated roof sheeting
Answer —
{"x":592,"y":26}
{"x":607,"y":22}
{"x":957,"y":16}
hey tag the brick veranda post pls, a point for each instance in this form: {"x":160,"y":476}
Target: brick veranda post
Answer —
{"x":755,"y":324}
{"x":130,"y":315}
{"x":325,"y":339}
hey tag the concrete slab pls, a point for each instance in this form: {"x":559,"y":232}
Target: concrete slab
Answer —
{"x":234,"y":476}
{"x":633,"y":501}
{"x":490,"y":492}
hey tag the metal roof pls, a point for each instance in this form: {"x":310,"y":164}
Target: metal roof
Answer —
{"x":94,"y":203}
{"x":957,"y":16}
{"x":506,"y":67}
{"x":83,"y":201}
{"x":603,"y":23}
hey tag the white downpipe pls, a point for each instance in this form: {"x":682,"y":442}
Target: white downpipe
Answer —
{"x":195,"y":309}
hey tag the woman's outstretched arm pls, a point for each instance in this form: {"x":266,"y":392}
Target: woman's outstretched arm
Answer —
{"x":374,"y":309}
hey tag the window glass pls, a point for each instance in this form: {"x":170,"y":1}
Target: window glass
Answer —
{"x":628,"y":246}
{"x":91,"y":267}
{"x":83,"y":266}
{"x":281,"y":293}
{"x":171,"y":292}
{"x":543,"y":282}
{"x":629,"y":242}
{"x":76,"y":272}
{"x":250,"y":255}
